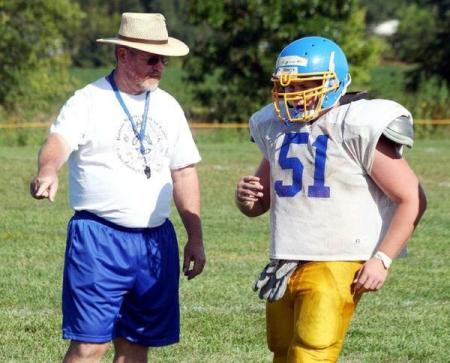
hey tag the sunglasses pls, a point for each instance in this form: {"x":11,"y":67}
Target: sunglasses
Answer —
{"x":153,"y":60}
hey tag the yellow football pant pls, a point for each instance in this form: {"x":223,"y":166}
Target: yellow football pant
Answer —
{"x":310,"y":322}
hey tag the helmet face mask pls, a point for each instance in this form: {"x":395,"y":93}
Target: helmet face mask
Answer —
{"x":310,"y":76}
{"x":301,"y":96}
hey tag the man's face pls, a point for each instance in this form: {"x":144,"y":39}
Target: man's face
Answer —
{"x":298,"y":100}
{"x":144,"y":69}
{"x":301,"y":86}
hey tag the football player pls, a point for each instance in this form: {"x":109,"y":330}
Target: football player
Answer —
{"x":343,"y":202}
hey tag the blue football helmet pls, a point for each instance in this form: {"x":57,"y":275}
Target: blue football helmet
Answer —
{"x":311,"y":75}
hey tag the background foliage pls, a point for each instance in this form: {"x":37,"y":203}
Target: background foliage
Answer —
{"x":234,"y":44}
{"x":33,"y":51}
{"x":422,"y":44}
{"x":223,"y":321}
{"x":423,"y":37}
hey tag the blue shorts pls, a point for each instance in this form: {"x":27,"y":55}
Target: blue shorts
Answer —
{"x":120,"y":282}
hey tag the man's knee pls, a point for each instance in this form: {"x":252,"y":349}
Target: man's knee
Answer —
{"x":319,"y":325}
{"x":85,"y":351}
{"x":127,"y":351}
{"x":280,"y":350}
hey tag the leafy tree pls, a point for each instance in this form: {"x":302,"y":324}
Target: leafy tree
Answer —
{"x":236,"y":43}
{"x":424,"y":38}
{"x":173,"y":12}
{"x":378,"y":11}
{"x":101,"y":19}
{"x":33,"y":50}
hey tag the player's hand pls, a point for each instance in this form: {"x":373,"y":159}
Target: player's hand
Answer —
{"x":45,"y":185}
{"x":194,"y":258}
{"x":249,"y":190}
{"x":370,"y":277}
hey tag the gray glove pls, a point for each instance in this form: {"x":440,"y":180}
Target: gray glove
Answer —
{"x":273,"y":279}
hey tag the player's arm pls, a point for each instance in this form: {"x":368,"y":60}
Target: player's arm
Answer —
{"x":52,"y":157}
{"x":186,"y":195}
{"x":397,"y":180}
{"x":252,"y":194}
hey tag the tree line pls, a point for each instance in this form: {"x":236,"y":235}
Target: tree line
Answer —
{"x":234,"y":44}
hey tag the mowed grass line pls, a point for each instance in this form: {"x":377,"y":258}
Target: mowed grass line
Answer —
{"x":222,"y":319}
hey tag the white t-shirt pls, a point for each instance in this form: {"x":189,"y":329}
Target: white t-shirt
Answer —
{"x":106,"y":167}
{"x":324,"y":205}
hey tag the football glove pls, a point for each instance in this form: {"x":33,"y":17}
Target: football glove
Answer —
{"x":272,"y":282}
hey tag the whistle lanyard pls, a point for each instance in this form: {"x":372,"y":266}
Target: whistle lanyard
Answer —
{"x":140,"y":135}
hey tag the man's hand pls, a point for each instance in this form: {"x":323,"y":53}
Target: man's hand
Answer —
{"x":249,"y":190}
{"x":52,"y":156}
{"x":45,"y":185}
{"x":252,"y":194}
{"x":194,"y":258}
{"x":370,"y":277}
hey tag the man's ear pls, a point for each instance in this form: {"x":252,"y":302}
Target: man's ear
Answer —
{"x":121,"y":54}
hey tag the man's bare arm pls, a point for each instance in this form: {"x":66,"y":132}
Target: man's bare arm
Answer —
{"x":393,"y":175}
{"x":186,"y":193}
{"x":52,"y":157}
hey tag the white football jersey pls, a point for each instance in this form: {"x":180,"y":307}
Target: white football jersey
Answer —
{"x":324,"y":205}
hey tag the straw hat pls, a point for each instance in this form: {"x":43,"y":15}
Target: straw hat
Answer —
{"x":147,"y":32}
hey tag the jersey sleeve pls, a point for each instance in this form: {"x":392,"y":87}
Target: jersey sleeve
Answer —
{"x":185,"y":151}
{"x":255,"y":125}
{"x":364,"y":123}
{"x":72,"y":120}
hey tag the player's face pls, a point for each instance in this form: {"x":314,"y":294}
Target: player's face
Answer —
{"x":144,"y":69}
{"x":298,"y":97}
{"x":302,"y":86}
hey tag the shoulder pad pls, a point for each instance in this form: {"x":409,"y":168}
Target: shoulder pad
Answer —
{"x":353,"y":96}
{"x":400,"y":131}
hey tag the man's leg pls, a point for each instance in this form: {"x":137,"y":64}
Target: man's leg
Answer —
{"x":80,"y":352}
{"x":323,"y":310}
{"x":279,"y":325}
{"x":127,"y":352}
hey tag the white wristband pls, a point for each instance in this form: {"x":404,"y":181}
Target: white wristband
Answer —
{"x":385,"y":259}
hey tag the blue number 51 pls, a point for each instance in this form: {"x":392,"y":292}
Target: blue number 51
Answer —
{"x":318,"y":189}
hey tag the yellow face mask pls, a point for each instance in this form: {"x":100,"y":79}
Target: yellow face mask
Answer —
{"x":299,"y":97}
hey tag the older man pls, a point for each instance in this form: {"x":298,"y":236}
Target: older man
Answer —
{"x":129,"y":150}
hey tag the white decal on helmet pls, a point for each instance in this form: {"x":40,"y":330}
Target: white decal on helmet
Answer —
{"x":331,"y":64}
{"x":286,"y":70}
{"x":292,"y":60}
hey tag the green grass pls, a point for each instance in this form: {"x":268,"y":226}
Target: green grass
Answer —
{"x":222,"y":319}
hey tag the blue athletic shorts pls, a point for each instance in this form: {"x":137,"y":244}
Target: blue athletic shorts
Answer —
{"x":120,"y":282}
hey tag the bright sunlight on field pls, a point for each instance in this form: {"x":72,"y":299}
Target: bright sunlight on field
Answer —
{"x":222,"y":319}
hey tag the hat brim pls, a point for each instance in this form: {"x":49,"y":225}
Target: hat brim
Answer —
{"x":173,"y":47}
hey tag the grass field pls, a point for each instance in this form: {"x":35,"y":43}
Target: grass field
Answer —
{"x":222,"y":319}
